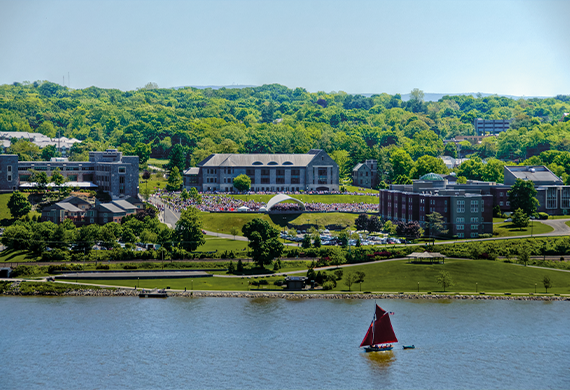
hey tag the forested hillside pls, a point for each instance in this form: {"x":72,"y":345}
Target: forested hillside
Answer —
{"x":274,"y":119}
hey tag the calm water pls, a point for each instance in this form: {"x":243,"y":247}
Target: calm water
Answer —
{"x":107,"y":343}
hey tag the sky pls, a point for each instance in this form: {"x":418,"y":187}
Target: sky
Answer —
{"x":511,"y":47}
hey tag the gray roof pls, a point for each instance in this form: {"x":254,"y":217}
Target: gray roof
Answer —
{"x":357,"y":166}
{"x":247,"y":160}
{"x":192,"y":171}
{"x":124,"y":204}
{"x":68,"y":207}
{"x":111,"y":207}
{"x":538,"y":174}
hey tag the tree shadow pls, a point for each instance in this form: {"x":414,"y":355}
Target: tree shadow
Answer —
{"x":283,"y":220}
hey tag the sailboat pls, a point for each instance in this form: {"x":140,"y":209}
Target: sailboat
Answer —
{"x":380,"y":333}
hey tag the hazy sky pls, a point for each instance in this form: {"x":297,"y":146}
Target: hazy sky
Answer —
{"x":507,"y":47}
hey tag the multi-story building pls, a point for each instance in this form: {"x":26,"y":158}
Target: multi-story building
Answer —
{"x":366,"y":175}
{"x":108,"y":171}
{"x":465,"y":214}
{"x":313,"y":171}
{"x":491,"y":126}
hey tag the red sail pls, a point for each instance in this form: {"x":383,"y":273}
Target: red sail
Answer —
{"x":380,"y":330}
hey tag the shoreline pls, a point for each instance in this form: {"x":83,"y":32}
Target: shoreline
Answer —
{"x":281,"y":295}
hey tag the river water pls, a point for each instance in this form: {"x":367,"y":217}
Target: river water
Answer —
{"x":235,"y":343}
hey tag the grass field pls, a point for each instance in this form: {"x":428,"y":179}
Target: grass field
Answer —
{"x":508,"y":230}
{"x":361,"y":190}
{"x":396,"y":276}
{"x":17,"y":256}
{"x":223,"y":222}
{"x":214,"y":243}
{"x":153,"y":182}
{"x":157,"y":162}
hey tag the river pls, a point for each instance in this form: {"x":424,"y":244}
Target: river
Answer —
{"x":242,"y":343}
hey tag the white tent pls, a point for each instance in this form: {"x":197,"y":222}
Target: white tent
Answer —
{"x":243,"y":208}
{"x":263,"y":209}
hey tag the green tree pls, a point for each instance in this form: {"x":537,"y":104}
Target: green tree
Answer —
{"x":177,"y":158}
{"x":59,"y":180}
{"x":263,"y":241}
{"x":374,"y":224}
{"x":350,"y":279}
{"x":403,"y":179}
{"x":317,"y":241}
{"x":444,"y":280}
{"x":401,"y":162}
{"x":338,"y":274}
{"x":19,"y":205}
{"x":547,"y":283}
{"x":143,"y":151}
{"x":360,"y":278}
{"x":522,"y":195}
{"x":188,"y":231}
{"x":523,"y":255}
{"x":87,"y":237}
{"x":306,"y":243}
{"x":195,"y":195}
{"x":234,"y":231}
{"x":16,"y":237}
{"x":450,"y":149}
{"x":174,"y":180}
{"x":41,"y":233}
{"x":184,"y":195}
{"x":40,"y":178}
{"x":362,"y":222}
{"x":242,"y":183}
{"x":435,"y":225}
{"x":428,"y":164}
{"x":50,"y":151}
{"x":520,"y":219}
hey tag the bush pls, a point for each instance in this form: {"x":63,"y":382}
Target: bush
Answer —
{"x":542,"y":215}
{"x":130,"y":266}
{"x":102,"y":266}
{"x":328,"y":286}
{"x":279,"y":282}
{"x":263,"y":282}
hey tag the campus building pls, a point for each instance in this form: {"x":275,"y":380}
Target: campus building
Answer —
{"x":491,"y":126}
{"x":108,"y":171}
{"x":82,"y":212}
{"x":465,"y":214}
{"x":467,"y":209}
{"x":366,"y":175}
{"x":313,"y":171}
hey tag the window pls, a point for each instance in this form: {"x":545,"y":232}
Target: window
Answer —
{"x":551,"y":198}
{"x":475,"y":219}
{"x":474,"y":206}
{"x":272,"y":163}
{"x":459,"y":220}
{"x":565,"y":198}
{"x":460,"y":235}
{"x":9,"y":168}
{"x":460,"y":227}
{"x":474,"y":234}
{"x":474,"y":227}
{"x":322,"y":176}
{"x":460,"y":206}
{"x":500,"y":203}
{"x":257,"y":163}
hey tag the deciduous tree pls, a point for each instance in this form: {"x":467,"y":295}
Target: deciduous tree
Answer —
{"x":522,"y":195}
{"x":188,"y":231}
{"x":19,"y":205}
{"x":263,"y":241}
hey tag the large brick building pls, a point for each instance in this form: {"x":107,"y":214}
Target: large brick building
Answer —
{"x":313,"y":171}
{"x":108,"y":171}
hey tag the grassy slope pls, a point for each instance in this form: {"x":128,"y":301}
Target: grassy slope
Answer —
{"x":395,"y":276}
{"x":222,"y":244}
{"x":157,"y":162}
{"x":508,"y":230}
{"x":5,"y":216}
{"x":223,"y":222}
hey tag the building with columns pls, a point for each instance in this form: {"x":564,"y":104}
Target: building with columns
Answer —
{"x":313,"y":171}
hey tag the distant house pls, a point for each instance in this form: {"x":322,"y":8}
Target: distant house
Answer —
{"x":365,"y":174}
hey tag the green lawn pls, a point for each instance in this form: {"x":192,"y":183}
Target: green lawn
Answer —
{"x":396,"y":276}
{"x":15,"y":256}
{"x":496,"y":220}
{"x":157,"y":162}
{"x":5,"y":216}
{"x":361,"y":190}
{"x":214,"y":243}
{"x":153,"y":182}
{"x":508,"y":230}
{"x":223,"y":222}
{"x":559,"y":217}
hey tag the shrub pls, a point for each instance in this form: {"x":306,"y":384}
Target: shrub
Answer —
{"x":130,"y":266}
{"x":328,"y":286}
{"x":542,"y":215}
{"x":264,"y":282}
{"x":102,"y":266}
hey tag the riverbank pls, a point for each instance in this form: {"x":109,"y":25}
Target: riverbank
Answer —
{"x":121,"y":292}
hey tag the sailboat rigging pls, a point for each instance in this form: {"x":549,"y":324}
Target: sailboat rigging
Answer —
{"x":380,"y":333}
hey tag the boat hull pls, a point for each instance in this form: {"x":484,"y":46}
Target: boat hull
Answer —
{"x":409,"y":347}
{"x":378,"y":349}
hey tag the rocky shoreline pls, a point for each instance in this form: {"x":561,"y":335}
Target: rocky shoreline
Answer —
{"x":261,"y":294}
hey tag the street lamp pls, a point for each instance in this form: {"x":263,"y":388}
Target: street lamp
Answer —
{"x":192,"y":284}
{"x":476,"y":287}
{"x":535,"y":288}
{"x":418,"y":286}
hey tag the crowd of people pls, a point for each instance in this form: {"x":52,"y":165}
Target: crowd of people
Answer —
{"x":226,"y":203}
